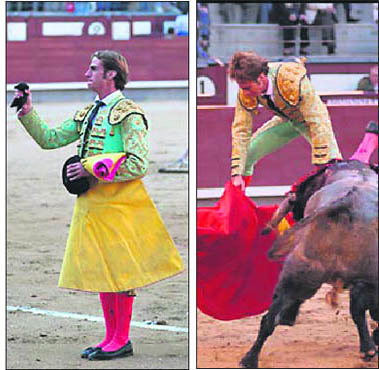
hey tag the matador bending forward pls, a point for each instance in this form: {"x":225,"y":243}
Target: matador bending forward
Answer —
{"x":285,"y":89}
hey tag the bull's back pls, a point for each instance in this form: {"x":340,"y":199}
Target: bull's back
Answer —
{"x":338,"y":237}
{"x":342,"y":237}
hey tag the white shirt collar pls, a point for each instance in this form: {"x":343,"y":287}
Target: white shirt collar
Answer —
{"x":270,"y":88}
{"x":109,"y":98}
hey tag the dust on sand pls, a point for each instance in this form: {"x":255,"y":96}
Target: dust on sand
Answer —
{"x":321,"y":338}
{"x":38,"y":216}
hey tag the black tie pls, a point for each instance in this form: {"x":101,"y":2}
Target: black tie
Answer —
{"x":272,"y":106}
{"x":99,"y":104}
{"x":270,"y":103}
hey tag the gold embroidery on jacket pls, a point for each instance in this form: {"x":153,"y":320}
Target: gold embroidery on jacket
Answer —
{"x":81,"y":114}
{"x":95,"y":144}
{"x":121,"y":110}
{"x":248,"y":102}
{"x":99,"y":120}
{"x":288,"y":80}
{"x":98,"y":132}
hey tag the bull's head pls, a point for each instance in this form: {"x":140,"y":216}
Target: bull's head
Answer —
{"x":281,"y":247}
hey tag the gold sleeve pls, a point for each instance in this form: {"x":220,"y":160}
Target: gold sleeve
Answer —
{"x":242,"y":128}
{"x":317,"y":120}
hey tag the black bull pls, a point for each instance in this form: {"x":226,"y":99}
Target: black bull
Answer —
{"x":335,"y":242}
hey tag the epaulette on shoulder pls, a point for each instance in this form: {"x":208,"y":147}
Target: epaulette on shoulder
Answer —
{"x":81,"y":114}
{"x":248,"y":102}
{"x":289,"y":78}
{"x":122,"y":109}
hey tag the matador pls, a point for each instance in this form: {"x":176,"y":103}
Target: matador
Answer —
{"x":285,"y":89}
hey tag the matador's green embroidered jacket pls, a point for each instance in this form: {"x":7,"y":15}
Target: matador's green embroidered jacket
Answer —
{"x":119,"y":127}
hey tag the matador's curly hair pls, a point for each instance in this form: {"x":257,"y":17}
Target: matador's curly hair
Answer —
{"x":247,"y":65}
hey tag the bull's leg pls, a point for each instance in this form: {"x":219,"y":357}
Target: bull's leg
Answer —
{"x":290,"y":293}
{"x":283,"y":311}
{"x":250,"y":360}
{"x":359,"y":303}
{"x":375,"y":336}
{"x":374,"y":313}
{"x":289,"y":313}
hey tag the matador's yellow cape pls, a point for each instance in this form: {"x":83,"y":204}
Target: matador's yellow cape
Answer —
{"x":117,"y":240}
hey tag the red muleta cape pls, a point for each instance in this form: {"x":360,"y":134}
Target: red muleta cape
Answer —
{"x":235,"y":278}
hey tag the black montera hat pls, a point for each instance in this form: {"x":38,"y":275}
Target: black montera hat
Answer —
{"x":77,"y":187}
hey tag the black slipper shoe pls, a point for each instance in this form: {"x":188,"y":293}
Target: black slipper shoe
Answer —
{"x":124,"y":351}
{"x":88,"y":351}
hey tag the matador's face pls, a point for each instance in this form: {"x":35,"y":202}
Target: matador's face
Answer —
{"x":95,"y":75}
{"x":254,"y":88}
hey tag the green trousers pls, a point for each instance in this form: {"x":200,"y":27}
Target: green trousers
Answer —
{"x":271,"y":137}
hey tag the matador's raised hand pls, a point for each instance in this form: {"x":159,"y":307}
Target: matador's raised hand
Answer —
{"x":22,"y":99}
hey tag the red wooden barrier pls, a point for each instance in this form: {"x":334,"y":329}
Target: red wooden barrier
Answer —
{"x":66,"y":58}
{"x":282,"y":167}
{"x":218,"y":75}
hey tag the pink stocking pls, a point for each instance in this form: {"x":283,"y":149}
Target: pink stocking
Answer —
{"x":123,"y":317}
{"x":108,"y":303}
{"x":366,"y":147}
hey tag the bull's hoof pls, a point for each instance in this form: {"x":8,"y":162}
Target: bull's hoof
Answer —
{"x":375,"y":336}
{"x":287,"y":321}
{"x":249,"y":362}
{"x":369,"y":355}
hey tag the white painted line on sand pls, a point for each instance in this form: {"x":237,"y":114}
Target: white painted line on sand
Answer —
{"x":76,"y":316}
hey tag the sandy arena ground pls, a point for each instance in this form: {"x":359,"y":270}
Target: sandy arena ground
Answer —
{"x":322,"y":338}
{"x":38,"y":216}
